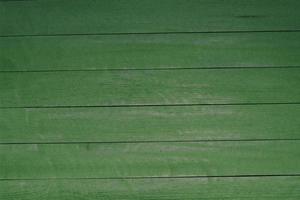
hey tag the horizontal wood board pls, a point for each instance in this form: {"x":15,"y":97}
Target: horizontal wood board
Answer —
{"x":260,"y":188}
{"x":143,"y":16}
{"x":163,"y":87}
{"x":148,"y":51}
{"x":149,"y":159}
{"x":162,"y":123}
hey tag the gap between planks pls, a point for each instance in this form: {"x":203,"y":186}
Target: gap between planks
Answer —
{"x":150,"y":69}
{"x":153,"y":177}
{"x":149,"y":33}
{"x":150,"y":141}
{"x":148,"y":105}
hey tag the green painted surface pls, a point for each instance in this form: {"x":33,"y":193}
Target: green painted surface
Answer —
{"x":150,"y":51}
{"x":115,"y":16}
{"x":150,"y":87}
{"x":150,"y":123}
{"x":149,"y":159}
{"x":253,"y":36}
{"x":148,"y":189}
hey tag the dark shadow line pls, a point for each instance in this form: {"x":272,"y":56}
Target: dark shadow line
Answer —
{"x":150,"y":69}
{"x":155,"y":177}
{"x":149,"y":105}
{"x":151,"y":141}
{"x":149,"y":33}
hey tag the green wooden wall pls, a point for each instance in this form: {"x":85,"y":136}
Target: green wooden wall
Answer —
{"x":149,"y":99}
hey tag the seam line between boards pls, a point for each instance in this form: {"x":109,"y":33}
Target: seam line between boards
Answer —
{"x":146,"y":105}
{"x":151,"y":69}
{"x":154,"y":177}
{"x":149,"y":141}
{"x":150,"y":33}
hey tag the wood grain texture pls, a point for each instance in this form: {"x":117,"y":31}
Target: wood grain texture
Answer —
{"x":115,"y":16}
{"x":150,"y":87}
{"x":148,"y":51}
{"x":149,"y":159}
{"x":148,"y":189}
{"x":121,"y":124}
{"x":100,"y":99}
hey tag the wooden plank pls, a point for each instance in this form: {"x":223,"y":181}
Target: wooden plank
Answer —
{"x":148,"y":189}
{"x":115,"y":16}
{"x":149,"y":159}
{"x":150,"y":51}
{"x":157,"y":87}
{"x":117,"y":124}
